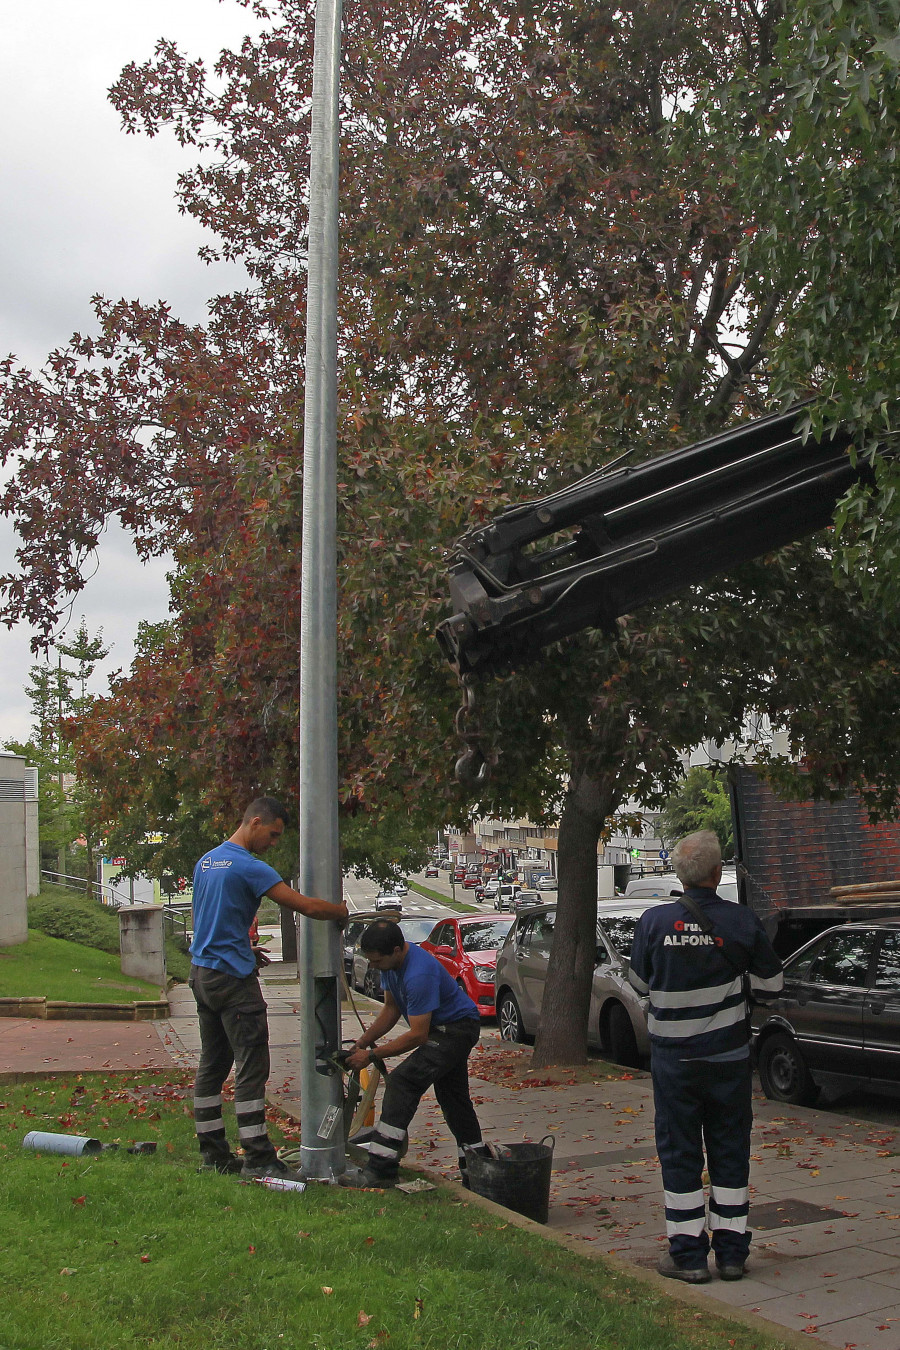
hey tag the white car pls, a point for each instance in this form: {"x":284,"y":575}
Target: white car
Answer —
{"x":388,"y":900}
{"x":505,"y":896}
{"x":653,"y":888}
{"x":668,"y":887}
{"x":546,"y":884}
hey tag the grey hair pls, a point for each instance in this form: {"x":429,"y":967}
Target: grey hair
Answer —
{"x":696,"y":857}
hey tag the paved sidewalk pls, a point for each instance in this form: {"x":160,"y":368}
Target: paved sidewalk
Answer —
{"x":826,"y":1189}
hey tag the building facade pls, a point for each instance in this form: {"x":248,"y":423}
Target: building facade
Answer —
{"x":20,"y":874}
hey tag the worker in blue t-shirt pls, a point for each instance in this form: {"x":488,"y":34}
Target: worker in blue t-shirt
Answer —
{"x":444,"y":1026}
{"x":228,"y":886}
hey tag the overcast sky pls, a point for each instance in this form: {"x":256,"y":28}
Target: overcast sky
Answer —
{"x":86,"y":209}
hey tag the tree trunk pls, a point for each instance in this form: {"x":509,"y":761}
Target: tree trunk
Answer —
{"x":562,"y":1038}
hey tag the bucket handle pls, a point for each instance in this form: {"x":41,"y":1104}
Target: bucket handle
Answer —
{"x":549,"y":1140}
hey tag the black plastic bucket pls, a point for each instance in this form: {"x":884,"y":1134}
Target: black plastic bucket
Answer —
{"x":520,"y":1180}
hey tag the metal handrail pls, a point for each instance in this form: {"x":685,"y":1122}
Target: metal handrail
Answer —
{"x":106,"y":894}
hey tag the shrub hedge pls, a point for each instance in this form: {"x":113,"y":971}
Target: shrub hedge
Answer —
{"x":77,"y":917}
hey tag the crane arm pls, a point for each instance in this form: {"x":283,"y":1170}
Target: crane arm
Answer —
{"x":628,"y":535}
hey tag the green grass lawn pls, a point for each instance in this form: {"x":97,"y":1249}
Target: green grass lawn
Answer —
{"x":63,"y":913}
{"x":442,"y":899}
{"x":117,"y":1252}
{"x":55,"y":968}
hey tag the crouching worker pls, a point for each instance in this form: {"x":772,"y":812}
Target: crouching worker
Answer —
{"x":444,"y":1026}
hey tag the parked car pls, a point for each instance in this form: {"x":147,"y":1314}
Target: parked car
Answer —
{"x":351,"y":935}
{"x":505,"y":895}
{"x":414,"y":929}
{"x":445,"y":864}
{"x":468,"y":947}
{"x":837,"y":1023}
{"x":667,"y":885}
{"x":388,"y":900}
{"x":527,"y":899}
{"x":661,"y":888}
{"x":617,"y":1021}
{"x":546,"y":883}
{"x":432,"y":870}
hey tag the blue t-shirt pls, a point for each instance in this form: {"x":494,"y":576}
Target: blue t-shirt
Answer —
{"x":422,"y":985}
{"x":228,"y":885}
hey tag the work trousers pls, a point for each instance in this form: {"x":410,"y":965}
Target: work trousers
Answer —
{"x":441,"y":1063}
{"x":234,"y":1030}
{"x":700,"y":1103}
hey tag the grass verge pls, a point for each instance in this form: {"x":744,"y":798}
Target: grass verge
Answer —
{"x":55,"y":968}
{"x":444,"y":899}
{"x":121,"y":1252}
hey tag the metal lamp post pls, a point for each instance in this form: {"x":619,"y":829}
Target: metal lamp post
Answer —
{"x":319,"y":950}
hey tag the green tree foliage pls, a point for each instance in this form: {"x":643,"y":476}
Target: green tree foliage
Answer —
{"x":700,"y":802}
{"x":65,"y":805}
{"x":549,"y":254}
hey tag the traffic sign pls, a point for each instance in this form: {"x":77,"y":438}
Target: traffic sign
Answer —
{"x":664,"y":853}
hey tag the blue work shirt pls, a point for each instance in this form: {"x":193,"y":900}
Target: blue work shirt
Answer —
{"x":422,"y":985}
{"x":228,"y":885}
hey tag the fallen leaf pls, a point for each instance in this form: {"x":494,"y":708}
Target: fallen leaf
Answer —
{"x":144,"y":1257}
{"x":251,"y":1249}
{"x":363,"y":1318}
{"x":78,"y":1199}
{"x":67,"y":1270}
{"x":418,"y":1310}
{"x":301,"y":1234}
{"x":327,"y":1289}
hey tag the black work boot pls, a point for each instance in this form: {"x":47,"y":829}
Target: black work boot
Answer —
{"x":364,"y":1179}
{"x":688,"y":1274}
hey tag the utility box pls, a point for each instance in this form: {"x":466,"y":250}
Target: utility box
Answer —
{"x":142,"y":944}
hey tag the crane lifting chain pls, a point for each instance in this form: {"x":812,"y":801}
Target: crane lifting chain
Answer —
{"x":473,"y":768}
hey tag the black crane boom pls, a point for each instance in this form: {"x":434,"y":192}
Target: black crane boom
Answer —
{"x":625,"y":536}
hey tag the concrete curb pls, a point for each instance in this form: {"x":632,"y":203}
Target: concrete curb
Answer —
{"x":52,"y":1009}
{"x":671,"y":1289}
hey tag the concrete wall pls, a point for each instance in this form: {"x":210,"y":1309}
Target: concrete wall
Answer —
{"x":141,"y":943}
{"x":13,"y":851}
{"x":32,"y":834}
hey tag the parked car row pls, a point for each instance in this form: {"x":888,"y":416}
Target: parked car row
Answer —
{"x":836,"y":1024}
{"x":467,"y":946}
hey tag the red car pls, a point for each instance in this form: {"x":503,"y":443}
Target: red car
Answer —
{"x":468,"y":947}
{"x":471,"y":881}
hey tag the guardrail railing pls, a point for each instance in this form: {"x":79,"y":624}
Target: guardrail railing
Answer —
{"x":176,"y":913}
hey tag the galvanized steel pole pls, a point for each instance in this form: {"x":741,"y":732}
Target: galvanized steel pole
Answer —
{"x":319,"y":949}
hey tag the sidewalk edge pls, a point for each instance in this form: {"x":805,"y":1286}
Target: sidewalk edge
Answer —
{"x":680,"y":1293}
